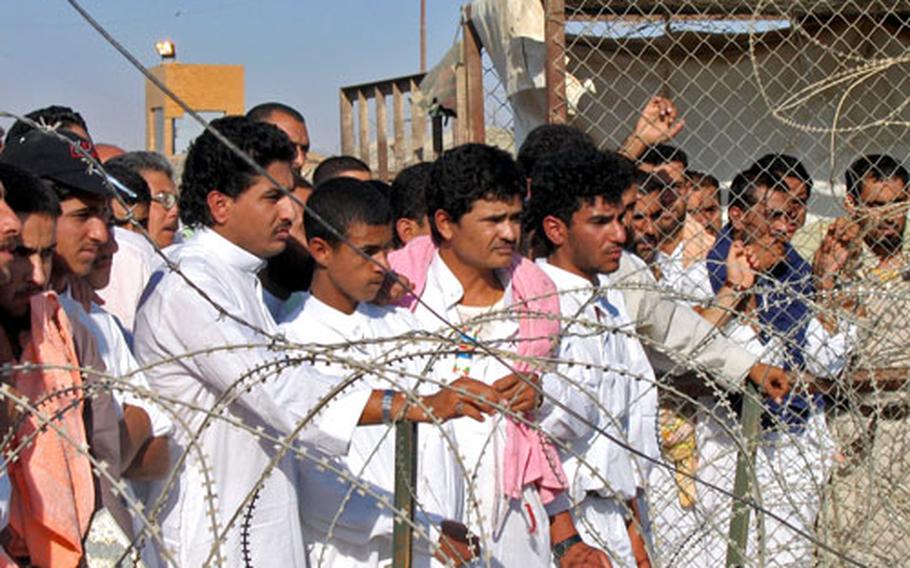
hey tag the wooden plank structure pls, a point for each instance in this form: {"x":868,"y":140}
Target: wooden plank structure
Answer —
{"x":369,"y":140}
{"x":366,"y":121}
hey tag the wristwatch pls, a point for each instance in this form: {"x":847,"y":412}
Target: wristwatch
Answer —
{"x":562,"y":547}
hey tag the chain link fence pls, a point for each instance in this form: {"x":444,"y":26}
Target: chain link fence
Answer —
{"x":819,"y":287}
{"x":824,"y":83}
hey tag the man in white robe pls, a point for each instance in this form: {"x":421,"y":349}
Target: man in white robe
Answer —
{"x":576,"y":214}
{"x":466,"y":280}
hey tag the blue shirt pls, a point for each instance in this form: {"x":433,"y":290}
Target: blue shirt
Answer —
{"x":782,"y":309}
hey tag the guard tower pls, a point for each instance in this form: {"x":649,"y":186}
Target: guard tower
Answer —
{"x":211,"y":90}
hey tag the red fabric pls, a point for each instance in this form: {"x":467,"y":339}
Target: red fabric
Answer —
{"x":53,"y":492}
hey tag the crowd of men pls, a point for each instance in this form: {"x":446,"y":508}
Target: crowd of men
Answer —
{"x":211,"y":369}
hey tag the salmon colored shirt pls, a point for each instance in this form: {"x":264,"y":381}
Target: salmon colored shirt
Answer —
{"x":53,"y":491}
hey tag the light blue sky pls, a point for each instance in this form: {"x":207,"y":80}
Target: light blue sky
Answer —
{"x":298,"y":52}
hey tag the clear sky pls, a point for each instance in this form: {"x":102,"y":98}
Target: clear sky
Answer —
{"x":295,"y":51}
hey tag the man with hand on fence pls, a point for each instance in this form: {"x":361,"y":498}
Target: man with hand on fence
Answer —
{"x":867,"y":287}
{"x":345,"y":517}
{"x":468,"y":276}
{"x":775,"y":321}
{"x":238,"y":392}
{"x":658,"y":123}
{"x":598,"y":400}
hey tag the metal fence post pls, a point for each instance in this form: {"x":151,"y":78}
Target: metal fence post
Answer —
{"x":738,"y":536}
{"x":405,"y":489}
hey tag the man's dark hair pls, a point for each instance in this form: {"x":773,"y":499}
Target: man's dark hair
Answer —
{"x":211,"y":166}
{"x":466,"y":174}
{"x":660,"y":154}
{"x":878,"y":167}
{"x":132,"y":181}
{"x":408,"y":197}
{"x":54,"y":115}
{"x":784,"y":165}
{"x":745,"y":185}
{"x":342,"y":202}
{"x":26,"y":193}
{"x":545,"y":140}
{"x":653,"y":182}
{"x":263,"y":111}
{"x":334,"y":166}
{"x":563,"y":182}
{"x":702,"y":180}
{"x":382,"y":187}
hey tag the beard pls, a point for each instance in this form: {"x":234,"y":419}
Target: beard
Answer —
{"x":645,"y":248}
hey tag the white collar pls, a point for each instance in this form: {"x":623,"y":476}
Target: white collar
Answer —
{"x":675,"y":256}
{"x":450,"y":287}
{"x":227,"y":252}
{"x":132,"y":238}
{"x":315,"y":307}
{"x":564,"y":280}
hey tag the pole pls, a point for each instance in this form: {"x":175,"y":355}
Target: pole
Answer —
{"x":745,"y":475}
{"x":406,"y":440}
{"x":555,"y":72}
{"x":405,"y":489}
{"x":437,"y":116}
{"x":423,"y":36}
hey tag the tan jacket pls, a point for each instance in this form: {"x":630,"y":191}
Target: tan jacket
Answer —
{"x":675,"y":337}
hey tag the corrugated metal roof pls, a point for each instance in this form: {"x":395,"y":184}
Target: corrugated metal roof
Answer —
{"x":594,"y":8}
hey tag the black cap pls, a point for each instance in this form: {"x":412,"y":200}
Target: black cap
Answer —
{"x":49,"y":157}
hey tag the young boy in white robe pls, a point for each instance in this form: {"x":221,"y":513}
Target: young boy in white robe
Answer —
{"x":347,"y":525}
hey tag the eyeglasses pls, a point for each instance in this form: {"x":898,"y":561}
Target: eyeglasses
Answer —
{"x":166,"y":200}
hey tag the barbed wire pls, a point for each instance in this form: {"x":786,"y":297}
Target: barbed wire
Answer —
{"x":194,"y":420}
